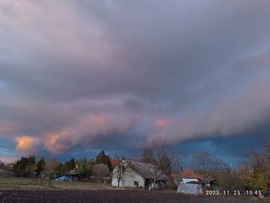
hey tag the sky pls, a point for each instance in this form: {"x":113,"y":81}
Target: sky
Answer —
{"x":77,"y":77}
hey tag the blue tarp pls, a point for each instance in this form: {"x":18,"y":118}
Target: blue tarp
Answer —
{"x":63,"y":179}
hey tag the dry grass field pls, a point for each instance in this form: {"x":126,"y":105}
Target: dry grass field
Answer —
{"x":18,"y":183}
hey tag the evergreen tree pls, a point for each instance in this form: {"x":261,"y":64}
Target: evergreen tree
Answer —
{"x":61,"y":169}
{"x":90,"y":165}
{"x":25,"y":166}
{"x":40,"y":166}
{"x":102,"y":158}
{"x":82,"y":167}
{"x":71,"y":164}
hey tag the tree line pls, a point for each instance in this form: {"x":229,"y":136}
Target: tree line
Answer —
{"x":27,"y":166}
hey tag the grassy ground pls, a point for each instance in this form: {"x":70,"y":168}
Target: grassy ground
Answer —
{"x":10,"y":183}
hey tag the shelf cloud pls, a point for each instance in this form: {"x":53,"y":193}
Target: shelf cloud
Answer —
{"x":84,"y":73}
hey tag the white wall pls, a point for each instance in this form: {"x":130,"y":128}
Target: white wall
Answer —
{"x":129,"y":180}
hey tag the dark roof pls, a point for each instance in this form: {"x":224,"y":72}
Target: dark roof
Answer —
{"x":146,"y":170}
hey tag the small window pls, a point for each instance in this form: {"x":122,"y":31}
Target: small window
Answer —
{"x":136,"y":183}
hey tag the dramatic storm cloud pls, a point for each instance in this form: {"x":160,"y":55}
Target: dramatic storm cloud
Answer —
{"x":89,"y":74}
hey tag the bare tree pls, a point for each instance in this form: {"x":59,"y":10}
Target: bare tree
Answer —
{"x":206,"y":164}
{"x":122,"y":170}
{"x":159,"y":158}
{"x":50,"y":167}
{"x":101,"y":170}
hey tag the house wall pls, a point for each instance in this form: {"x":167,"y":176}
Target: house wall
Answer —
{"x":128,"y":180}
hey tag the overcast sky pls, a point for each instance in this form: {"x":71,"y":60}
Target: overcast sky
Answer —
{"x":80,"y":76}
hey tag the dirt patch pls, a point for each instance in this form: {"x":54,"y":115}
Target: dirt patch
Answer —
{"x":118,"y":196}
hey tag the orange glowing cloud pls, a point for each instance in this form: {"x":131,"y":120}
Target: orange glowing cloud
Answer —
{"x":85,"y":131}
{"x":25,"y":145}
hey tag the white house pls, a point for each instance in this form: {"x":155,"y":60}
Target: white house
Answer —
{"x":132,"y":173}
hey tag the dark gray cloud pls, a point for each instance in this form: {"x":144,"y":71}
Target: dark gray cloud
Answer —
{"x":83,"y":73}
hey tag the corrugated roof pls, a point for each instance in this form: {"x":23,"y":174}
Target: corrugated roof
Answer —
{"x":146,"y":170}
